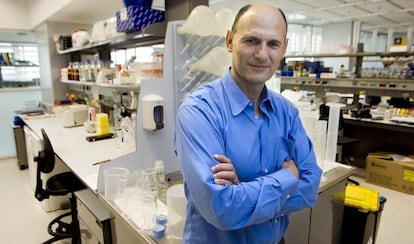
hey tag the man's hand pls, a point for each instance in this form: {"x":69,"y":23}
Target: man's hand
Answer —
{"x":291,"y":166}
{"x":224,"y":172}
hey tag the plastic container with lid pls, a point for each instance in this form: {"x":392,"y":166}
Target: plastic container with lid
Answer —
{"x":361,"y":198}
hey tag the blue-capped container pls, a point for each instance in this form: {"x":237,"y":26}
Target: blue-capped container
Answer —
{"x":17,"y":121}
{"x":158,"y":231}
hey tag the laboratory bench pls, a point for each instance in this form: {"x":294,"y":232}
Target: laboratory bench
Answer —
{"x":71,"y":146}
{"x":375,"y":135}
{"x":79,"y":155}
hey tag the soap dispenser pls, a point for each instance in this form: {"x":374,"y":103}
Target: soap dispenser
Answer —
{"x":153,"y":112}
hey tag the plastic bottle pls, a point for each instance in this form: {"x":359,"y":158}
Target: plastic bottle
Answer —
{"x":159,"y":167}
{"x":162,"y":184}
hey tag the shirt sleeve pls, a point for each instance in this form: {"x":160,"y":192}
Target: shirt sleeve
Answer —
{"x":231,"y":206}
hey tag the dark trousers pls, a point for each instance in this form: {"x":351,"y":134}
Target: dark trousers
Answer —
{"x":282,"y":241}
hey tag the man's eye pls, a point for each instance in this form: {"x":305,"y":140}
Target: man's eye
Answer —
{"x":274,"y":44}
{"x":251,"y":41}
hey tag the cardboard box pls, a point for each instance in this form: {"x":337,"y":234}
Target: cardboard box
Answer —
{"x":391,"y":170}
{"x":134,"y":18}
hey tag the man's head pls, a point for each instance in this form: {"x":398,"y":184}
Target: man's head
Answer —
{"x":257,"y":42}
{"x":244,"y":9}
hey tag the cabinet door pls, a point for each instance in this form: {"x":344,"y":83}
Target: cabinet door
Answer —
{"x":87,"y":237}
{"x":326,"y":217}
{"x":298,"y":230}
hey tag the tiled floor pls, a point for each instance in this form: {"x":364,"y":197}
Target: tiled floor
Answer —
{"x":24,"y":221}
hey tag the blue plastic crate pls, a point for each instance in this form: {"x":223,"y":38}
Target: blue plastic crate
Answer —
{"x":134,"y":18}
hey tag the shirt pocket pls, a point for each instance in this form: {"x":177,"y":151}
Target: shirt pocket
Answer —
{"x":286,"y":149}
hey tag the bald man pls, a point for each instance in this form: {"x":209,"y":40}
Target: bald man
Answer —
{"x":246,"y":160}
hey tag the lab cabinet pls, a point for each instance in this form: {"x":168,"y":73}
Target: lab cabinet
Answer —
{"x":326,"y":224}
{"x":94,"y":219}
{"x":298,"y":229}
{"x":20,"y":143}
{"x":321,"y":224}
{"x":373,"y":135}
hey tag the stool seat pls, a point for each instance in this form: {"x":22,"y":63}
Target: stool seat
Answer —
{"x":63,"y":183}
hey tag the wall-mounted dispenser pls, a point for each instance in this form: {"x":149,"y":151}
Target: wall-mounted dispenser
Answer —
{"x":152,"y":112}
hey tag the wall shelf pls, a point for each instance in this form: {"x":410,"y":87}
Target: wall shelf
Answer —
{"x":135,"y":87}
{"x":392,"y":87}
{"x":150,"y":35}
{"x":371,"y":86}
{"x":347,"y":55}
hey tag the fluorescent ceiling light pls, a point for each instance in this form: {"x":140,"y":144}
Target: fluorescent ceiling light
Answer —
{"x":296,"y":17}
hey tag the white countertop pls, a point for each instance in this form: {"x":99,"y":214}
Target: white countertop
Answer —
{"x":74,"y":150}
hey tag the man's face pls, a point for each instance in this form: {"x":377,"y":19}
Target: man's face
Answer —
{"x":258,"y":45}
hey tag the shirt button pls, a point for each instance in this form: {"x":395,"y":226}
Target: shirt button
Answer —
{"x":287,"y":196}
{"x":275,"y":220}
{"x":250,"y":104}
{"x":266,"y":170}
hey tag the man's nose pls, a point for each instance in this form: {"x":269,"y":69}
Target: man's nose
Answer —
{"x":261,"y":51}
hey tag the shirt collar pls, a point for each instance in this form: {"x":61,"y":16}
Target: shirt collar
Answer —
{"x":238,"y":100}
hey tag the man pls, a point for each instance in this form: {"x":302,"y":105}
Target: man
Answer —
{"x":245,"y":157}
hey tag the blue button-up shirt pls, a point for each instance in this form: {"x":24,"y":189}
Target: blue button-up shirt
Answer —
{"x":219,"y":119}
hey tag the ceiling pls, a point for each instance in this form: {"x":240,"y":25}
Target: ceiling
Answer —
{"x":373,"y":14}
{"x":87,"y":12}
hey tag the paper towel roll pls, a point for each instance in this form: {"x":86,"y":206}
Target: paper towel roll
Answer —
{"x":176,"y":204}
{"x":332,"y":135}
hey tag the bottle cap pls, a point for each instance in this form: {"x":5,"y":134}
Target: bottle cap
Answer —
{"x":158,"y":231}
{"x":161,"y":219}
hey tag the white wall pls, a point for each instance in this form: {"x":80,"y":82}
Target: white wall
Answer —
{"x":10,"y":101}
{"x":41,"y":10}
{"x":13,"y":99}
{"x":26,"y":15}
{"x":50,"y":61}
{"x":14,"y":15}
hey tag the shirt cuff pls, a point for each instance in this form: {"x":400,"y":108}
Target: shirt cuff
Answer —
{"x":287,"y":181}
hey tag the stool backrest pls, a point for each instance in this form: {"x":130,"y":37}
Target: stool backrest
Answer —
{"x":46,"y":161}
{"x":45,"y":164}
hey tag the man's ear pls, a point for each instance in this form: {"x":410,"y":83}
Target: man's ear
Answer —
{"x":229,"y":41}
